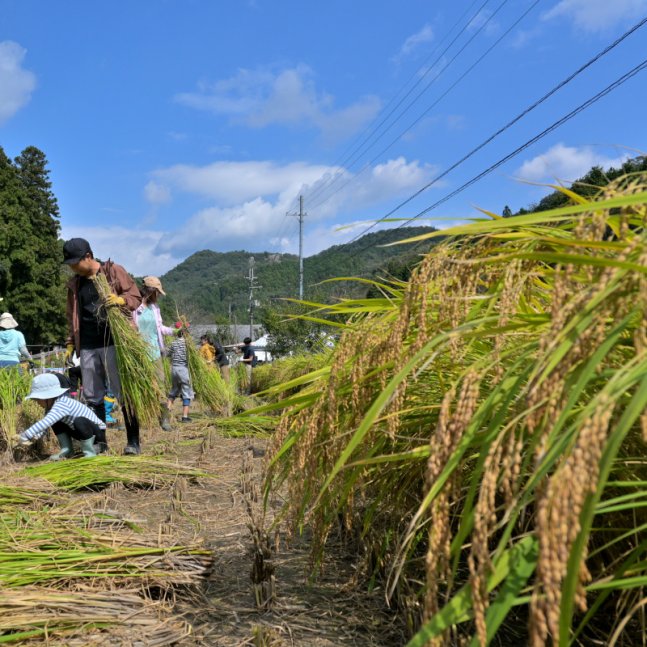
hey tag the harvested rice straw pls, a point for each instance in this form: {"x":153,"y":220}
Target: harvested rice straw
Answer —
{"x":33,"y":612}
{"x":134,"y":471}
{"x":207,"y":382}
{"x":246,"y":426}
{"x":140,"y":390}
{"x":36,"y":547}
{"x":11,"y":496}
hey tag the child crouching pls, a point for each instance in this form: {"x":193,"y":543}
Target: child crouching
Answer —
{"x":180,"y":378}
{"x":68,"y":418}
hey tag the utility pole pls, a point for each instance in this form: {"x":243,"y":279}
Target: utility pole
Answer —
{"x":252,"y":286}
{"x":301,"y":216}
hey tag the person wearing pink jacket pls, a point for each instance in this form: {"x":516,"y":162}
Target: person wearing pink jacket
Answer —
{"x":148,"y":319}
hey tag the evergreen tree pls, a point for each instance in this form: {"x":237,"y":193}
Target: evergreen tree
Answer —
{"x":31,"y":276}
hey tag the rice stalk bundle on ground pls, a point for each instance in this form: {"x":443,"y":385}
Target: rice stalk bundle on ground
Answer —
{"x":17,"y":496}
{"x":14,"y":386}
{"x":141,"y":392}
{"x":133,"y":471}
{"x":209,"y":386}
{"x":37,"y":548}
{"x":483,"y":431}
{"x":80,"y":616}
{"x":245,"y":426}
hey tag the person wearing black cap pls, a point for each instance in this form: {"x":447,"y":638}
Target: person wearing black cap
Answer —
{"x":89,"y":332}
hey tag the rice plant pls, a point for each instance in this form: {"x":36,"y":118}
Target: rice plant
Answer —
{"x":14,"y":386}
{"x":481,"y":430}
{"x":141,"y":393}
{"x":270,"y":378}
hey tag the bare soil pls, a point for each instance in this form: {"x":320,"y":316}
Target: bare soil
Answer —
{"x":284,"y":606}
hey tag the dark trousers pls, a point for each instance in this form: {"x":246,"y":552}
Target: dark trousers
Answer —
{"x":130,"y":421}
{"x":82,"y":429}
{"x":74,"y":375}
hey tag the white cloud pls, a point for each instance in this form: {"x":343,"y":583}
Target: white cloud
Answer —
{"x":132,"y":248}
{"x":566,"y":163}
{"x":425,"y":35}
{"x":257,"y":222}
{"x":261,"y":97}
{"x":483,"y":20}
{"x":16,"y":83}
{"x":235,"y":182}
{"x":524,"y":36}
{"x":254,"y":221}
{"x":157,"y":194}
{"x":597,"y":15}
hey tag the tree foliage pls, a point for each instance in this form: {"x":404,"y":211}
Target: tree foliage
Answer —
{"x":216,"y":283}
{"x":31,"y":277}
{"x":587,"y":186}
{"x":289,"y":335}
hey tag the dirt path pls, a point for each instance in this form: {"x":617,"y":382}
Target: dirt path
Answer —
{"x":219,"y":510}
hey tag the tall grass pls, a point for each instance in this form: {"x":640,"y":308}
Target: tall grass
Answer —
{"x":481,"y":431}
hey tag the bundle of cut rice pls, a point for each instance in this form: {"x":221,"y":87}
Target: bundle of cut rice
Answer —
{"x":140,"y":391}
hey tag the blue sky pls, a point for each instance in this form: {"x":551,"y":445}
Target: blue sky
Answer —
{"x":174,"y":126}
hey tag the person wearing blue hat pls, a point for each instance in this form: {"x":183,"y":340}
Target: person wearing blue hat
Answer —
{"x":68,"y":418}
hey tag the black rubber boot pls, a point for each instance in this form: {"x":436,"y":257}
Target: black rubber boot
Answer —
{"x":100,"y":440}
{"x":132,"y":433}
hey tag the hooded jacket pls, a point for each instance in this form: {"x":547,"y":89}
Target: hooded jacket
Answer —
{"x":12,"y":346}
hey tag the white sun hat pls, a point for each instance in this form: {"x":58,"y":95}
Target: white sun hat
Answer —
{"x":45,"y":386}
{"x":7,"y":321}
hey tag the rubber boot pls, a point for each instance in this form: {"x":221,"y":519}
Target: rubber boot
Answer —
{"x":87,"y":447}
{"x":132,"y":433}
{"x":165,"y":418}
{"x":65,"y":443}
{"x":100,"y":440}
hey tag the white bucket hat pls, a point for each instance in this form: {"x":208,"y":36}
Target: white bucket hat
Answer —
{"x":45,"y":386}
{"x":7,"y":321}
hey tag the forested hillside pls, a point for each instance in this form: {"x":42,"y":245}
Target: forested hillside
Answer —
{"x":208,"y":283}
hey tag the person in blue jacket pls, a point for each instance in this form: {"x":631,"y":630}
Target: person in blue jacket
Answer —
{"x":12,"y":342}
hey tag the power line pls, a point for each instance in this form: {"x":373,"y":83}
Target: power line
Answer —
{"x":426,"y":69}
{"x":433,"y":80}
{"x":522,"y":114}
{"x":617,"y":83}
{"x":437,"y":101}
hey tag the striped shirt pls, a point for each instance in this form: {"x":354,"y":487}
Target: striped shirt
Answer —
{"x":66,"y":410}
{"x":177,"y":353}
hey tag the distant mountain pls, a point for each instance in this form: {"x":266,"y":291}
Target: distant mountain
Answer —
{"x":210,"y":285}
